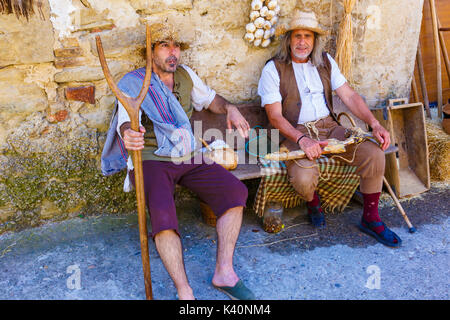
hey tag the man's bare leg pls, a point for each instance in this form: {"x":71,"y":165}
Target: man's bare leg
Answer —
{"x":168,"y":244}
{"x":227,"y":227}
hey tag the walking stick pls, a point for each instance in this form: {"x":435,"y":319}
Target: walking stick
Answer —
{"x":399,"y":206}
{"x":132,"y":106}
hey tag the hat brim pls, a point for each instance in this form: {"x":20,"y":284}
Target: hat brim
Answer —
{"x":183,"y":45}
{"x":280,"y":30}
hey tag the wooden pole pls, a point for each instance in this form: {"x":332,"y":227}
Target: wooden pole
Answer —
{"x":132,"y":106}
{"x":399,"y":206}
{"x":414,"y":89}
{"x":444,"y":50}
{"x":423,"y":84}
{"x":438,"y":56}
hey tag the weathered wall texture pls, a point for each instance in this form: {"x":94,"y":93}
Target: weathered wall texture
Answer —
{"x":51,"y":138}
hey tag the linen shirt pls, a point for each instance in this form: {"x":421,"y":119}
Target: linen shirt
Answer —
{"x":309,"y":85}
{"x":201,"y":98}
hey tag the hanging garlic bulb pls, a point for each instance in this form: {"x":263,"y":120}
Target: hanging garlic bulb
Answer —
{"x":267,"y":34}
{"x":250,"y":27}
{"x":256,"y":4}
{"x":263,"y":11}
{"x":274,"y":20}
{"x":254,"y":14}
{"x":249,"y":37}
{"x":270,"y":14}
{"x":267,"y":25}
{"x":272,"y":4}
{"x":259,"y":22}
{"x":263,"y":18}
{"x":259,"y":33}
{"x":265,"y":43}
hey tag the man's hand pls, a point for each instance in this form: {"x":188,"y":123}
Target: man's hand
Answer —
{"x":133,"y":140}
{"x":235,"y":118}
{"x":312,"y":148}
{"x":382,"y":135}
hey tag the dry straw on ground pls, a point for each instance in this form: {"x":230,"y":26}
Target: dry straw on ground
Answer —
{"x":439,"y":152}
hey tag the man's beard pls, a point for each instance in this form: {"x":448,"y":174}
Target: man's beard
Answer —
{"x":172,"y":61}
{"x":301,"y":56}
{"x":169,"y":65}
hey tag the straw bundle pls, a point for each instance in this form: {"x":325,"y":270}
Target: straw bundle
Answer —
{"x":439,"y":152}
{"x":22,"y":8}
{"x":345,"y":41}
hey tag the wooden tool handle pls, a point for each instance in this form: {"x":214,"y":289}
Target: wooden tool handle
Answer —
{"x":132,"y":106}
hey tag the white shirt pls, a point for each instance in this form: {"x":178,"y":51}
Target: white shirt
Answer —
{"x":309,"y":86}
{"x":201,"y":98}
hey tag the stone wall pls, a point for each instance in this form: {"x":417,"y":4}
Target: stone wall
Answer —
{"x":55,"y":105}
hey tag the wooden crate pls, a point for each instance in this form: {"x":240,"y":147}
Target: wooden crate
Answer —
{"x":407,"y":170}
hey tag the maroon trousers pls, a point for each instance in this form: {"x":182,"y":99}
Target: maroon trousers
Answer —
{"x":213,"y":184}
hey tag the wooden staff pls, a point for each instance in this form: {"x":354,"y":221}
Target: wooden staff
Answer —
{"x":438,"y":56}
{"x":423,"y":84}
{"x":399,"y":206}
{"x":132,"y":106}
{"x":444,"y":50}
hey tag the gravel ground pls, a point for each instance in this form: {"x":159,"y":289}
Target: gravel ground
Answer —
{"x":98,"y":257}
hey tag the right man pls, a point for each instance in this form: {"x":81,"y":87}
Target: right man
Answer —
{"x":296,"y":91}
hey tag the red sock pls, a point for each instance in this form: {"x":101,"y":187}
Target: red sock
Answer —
{"x":313,"y":203}
{"x":370,"y":213}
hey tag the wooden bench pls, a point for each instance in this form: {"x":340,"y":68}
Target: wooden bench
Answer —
{"x":256,"y":116}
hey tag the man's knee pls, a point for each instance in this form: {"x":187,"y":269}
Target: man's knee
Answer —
{"x":238,"y":191}
{"x":303,"y":177}
{"x":165,"y":234}
{"x":304,"y":182}
{"x":375,"y":158}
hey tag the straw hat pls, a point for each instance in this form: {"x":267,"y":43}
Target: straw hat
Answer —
{"x":167,"y":31}
{"x":301,"y":20}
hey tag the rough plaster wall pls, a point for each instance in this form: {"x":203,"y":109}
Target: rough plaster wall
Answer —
{"x":386,"y":49}
{"x":50,"y":145}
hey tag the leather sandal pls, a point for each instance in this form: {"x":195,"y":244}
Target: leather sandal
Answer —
{"x":386,"y":237}
{"x":317,"y":217}
{"x":238,"y":292}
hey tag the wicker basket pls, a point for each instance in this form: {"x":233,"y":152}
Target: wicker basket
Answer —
{"x":208,"y":215}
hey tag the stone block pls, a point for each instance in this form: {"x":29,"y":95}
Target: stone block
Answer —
{"x":24,"y":42}
{"x":61,"y":63}
{"x":154,"y":6}
{"x":91,"y":73}
{"x":58,"y":116}
{"x":18,"y":97}
{"x":96,"y":26}
{"x":89,"y":16}
{"x":85,"y":94}
{"x":69,"y":42}
{"x":68,"y":52}
{"x":118,"y":41}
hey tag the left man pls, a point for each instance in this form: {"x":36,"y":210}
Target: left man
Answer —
{"x":167,"y":145}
